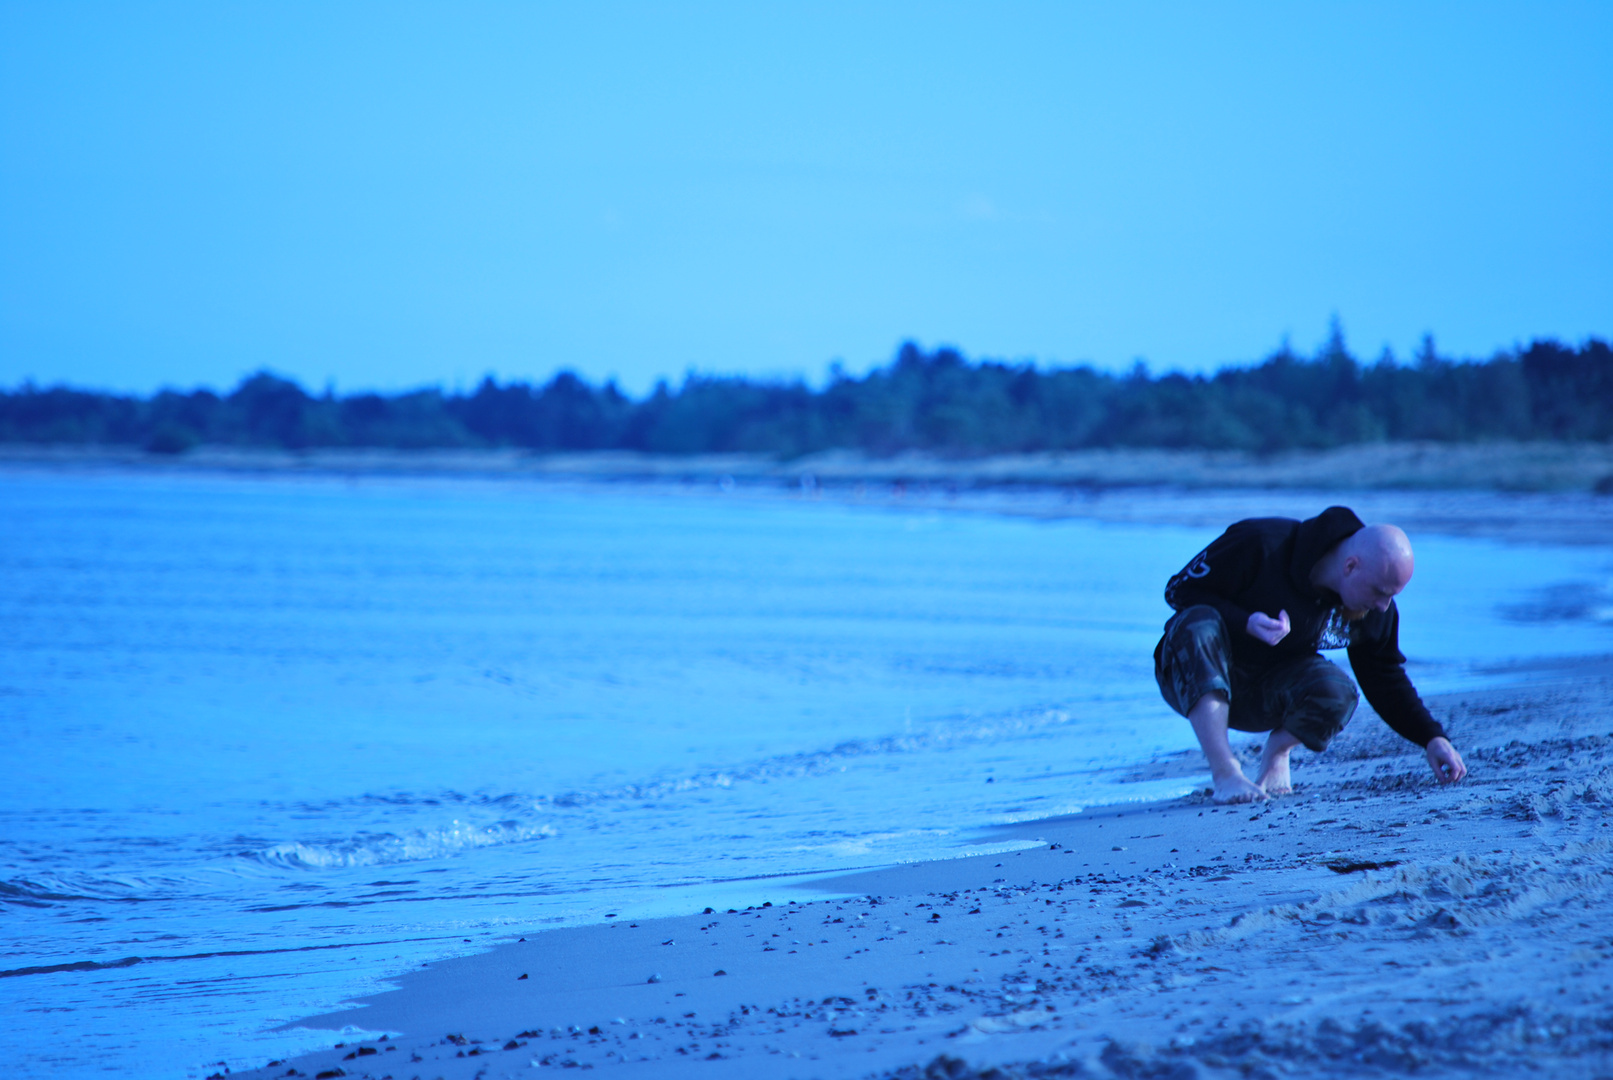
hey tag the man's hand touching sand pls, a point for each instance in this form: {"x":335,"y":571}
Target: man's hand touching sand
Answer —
{"x":1445,"y":761}
{"x":1267,"y":629}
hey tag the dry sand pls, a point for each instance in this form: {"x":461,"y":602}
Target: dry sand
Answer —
{"x":1371,"y":924}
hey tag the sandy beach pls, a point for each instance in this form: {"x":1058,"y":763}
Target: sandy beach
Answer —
{"x":1372,"y":923}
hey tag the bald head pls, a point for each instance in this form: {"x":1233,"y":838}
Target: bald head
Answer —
{"x":1367,"y":569}
{"x":1386,"y":551}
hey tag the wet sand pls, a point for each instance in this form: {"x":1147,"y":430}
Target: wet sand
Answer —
{"x":1373,"y":923}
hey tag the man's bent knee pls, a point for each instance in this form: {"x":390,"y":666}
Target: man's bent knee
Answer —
{"x":1193,"y":659}
{"x":1201,"y":623}
{"x":1321,"y":702}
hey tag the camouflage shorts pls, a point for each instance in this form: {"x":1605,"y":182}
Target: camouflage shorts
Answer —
{"x":1308,"y":697}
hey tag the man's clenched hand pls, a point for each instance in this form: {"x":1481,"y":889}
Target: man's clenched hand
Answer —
{"x":1267,"y":629}
{"x":1445,"y":761}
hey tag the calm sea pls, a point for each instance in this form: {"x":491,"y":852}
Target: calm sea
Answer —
{"x":284,"y":738}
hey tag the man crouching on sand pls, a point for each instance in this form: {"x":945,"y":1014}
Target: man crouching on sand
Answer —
{"x":1242,"y":651}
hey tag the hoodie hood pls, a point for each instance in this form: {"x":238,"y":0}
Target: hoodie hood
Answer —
{"x":1316,"y":537}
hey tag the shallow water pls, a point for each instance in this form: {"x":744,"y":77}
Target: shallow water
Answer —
{"x":282,"y":738}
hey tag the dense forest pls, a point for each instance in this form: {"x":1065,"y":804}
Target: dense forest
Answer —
{"x":936,"y":401}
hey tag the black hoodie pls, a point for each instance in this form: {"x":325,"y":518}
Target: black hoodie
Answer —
{"x":1264,"y":564}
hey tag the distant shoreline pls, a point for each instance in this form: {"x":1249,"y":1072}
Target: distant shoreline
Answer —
{"x":1552,"y":493}
{"x":1584,"y":467}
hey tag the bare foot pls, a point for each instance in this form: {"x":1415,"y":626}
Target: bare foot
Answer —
{"x":1234,"y":787}
{"x":1274,"y":777}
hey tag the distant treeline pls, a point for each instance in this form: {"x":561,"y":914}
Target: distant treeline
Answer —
{"x":935,"y":401}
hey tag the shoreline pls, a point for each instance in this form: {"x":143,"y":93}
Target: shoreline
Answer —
{"x":1372,"y":919}
{"x":1547,"y":494}
{"x":1495,"y":466}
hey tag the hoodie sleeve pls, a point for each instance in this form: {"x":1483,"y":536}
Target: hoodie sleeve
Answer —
{"x":1218,"y":575}
{"x":1380,"y":668}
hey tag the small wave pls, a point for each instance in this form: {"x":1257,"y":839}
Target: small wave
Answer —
{"x":966,"y":732}
{"x":33,"y":893}
{"x":939,"y":735}
{"x":383,"y":849}
{"x":522,"y":810}
{"x":388,"y":848}
{"x":48,"y":890}
{"x":78,"y":965}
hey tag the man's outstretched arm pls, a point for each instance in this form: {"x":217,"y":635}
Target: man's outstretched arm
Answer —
{"x":1380,"y":668}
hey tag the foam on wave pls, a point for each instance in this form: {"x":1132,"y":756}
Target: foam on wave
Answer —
{"x":384,"y":849}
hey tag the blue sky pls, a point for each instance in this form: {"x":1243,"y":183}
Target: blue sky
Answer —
{"x":388,"y":195}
